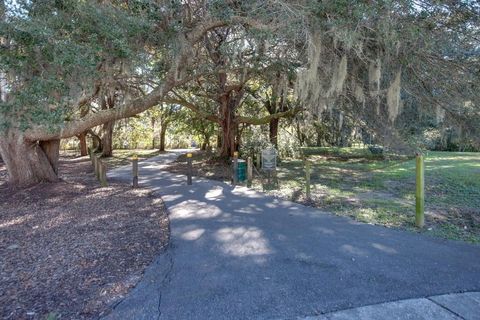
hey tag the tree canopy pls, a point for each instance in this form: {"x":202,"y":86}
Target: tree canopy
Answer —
{"x":67,"y":66}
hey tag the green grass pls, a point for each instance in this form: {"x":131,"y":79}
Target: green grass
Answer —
{"x":383,"y":191}
{"x":334,"y":151}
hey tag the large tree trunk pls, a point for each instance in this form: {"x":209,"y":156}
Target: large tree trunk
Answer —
{"x":163,"y":131}
{"x":83,"y":144}
{"x":205,"y":142}
{"x":273,"y":131}
{"x":107,"y":139}
{"x":228,"y":132}
{"x":96,"y":141}
{"x":319,"y":139}
{"x":29,"y":162}
{"x":219,"y":138}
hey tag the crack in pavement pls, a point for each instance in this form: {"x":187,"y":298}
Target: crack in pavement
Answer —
{"x":166,"y":279}
{"x":446,"y":308}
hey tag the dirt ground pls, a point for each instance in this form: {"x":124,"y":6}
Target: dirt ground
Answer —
{"x":202,"y":166}
{"x":72,"y":250}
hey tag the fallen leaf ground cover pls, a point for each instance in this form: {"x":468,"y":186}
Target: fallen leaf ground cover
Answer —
{"x":72,"y":249}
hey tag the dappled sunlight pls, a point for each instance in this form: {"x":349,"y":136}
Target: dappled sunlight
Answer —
{"x":243,"y":241}
{"x":214,"y":193}
{"x":384,"y":248}
{"x":192,"y":235}
{"x":249,"y":209}
{"x":172,"y":197}
{"x":271,"y":205}
{"x":15,"y":221}
{"x":349,"y":249}
{"x":194,"y":209}
{"x":236,"y":238}
{"x":323,"y":230}
{"x":247,"y":192}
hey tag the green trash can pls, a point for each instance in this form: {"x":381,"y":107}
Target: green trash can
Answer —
{"x":242,"y":170}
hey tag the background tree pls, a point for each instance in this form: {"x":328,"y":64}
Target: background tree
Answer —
{"x":369,"y":60}
{"x":57,"y":51}
{"x":234,"y":60}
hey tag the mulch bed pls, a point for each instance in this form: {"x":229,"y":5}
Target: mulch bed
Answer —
{"x":72,"y":250}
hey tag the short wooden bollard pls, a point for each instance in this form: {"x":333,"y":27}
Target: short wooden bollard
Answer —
{"x":97,"y":166}
{"x":93,"y":158}
{"x":189,"y":169}
{"x":420,"y":192}
{"x":135,"y":171}
{"x":235,"y":168}
{"x":103,"y":174}
{"x":249,"y":172}
{"x":307,"y":179}
{"x":91,"y":154}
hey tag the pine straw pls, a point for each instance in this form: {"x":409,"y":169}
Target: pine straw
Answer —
{"x":72,"y":248}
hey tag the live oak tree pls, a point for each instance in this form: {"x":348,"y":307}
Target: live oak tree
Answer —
{"x":163,"y":115}
{"x":363,"y":58}
{"x":54,"y":57}
{"x":371,"y":60}
{"x":233,"y":60}
{"x":55,"y":54}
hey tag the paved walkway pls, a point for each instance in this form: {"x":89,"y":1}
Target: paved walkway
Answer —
{"x":239,"y":254}
{"x":445,"y":307}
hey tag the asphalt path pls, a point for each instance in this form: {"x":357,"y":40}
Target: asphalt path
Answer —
{"x":239,"y":254}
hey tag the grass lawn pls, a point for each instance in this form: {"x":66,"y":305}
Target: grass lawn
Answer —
{"x":383,"y":191}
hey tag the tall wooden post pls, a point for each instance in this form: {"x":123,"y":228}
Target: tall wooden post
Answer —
{"x":420,"y":191}
{"x":249,"y":171}
{"x":235,"y":168}
{"x":103,"y":174}
{"x":189,"y":169}
{"x":97,"y":166}
{"x":259,"y":160}
{"x":92,"y":157}
{"x":307,"y":179}
{"x":135,"y":171}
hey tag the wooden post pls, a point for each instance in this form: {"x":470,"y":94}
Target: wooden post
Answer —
{"x":135,"y":171}
{"x":307,"y":179}
{"x":235,"y":168}
{"x":92,"y":157}
{"x":189,"y":169}
{"x":103,"y":174}
{"x":97,"y":166}
{"x":420,"y":192}
{"x":249,"y":171}
{"x":93,"y":163}
{"x":259,"y":160}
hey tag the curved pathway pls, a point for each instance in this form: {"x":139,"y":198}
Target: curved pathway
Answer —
{"x":239,"y":254}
